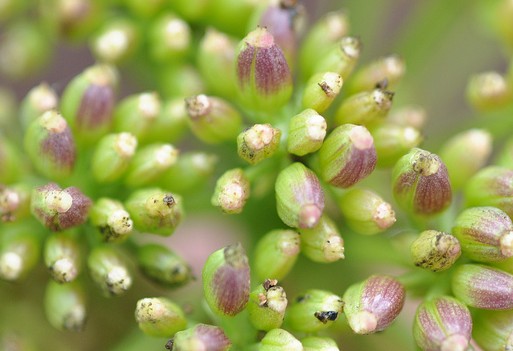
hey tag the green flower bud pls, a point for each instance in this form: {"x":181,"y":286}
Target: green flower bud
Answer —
{"x":159,"y":317}
{"x":38,"y":100}
{"x":372,"y":305}
{"x":200,"y":337}
{"x":59,"y":209}
{"x":109,"y":270}
{"x":265,"y":81}
{"x":267,"y":304}
{"x":319,"y":343}
{"x":366,"y":212}
{"x":258,"y":142}
{"x":347,"y":156}
{"x":65,"y":306}
{"x":162,"y":265}
{"x":465,"y":153}
{"x":145,"y":9}
{"x":232,"y":191}
{"x":87,"y":103}
{"x":191,"y":10}
{"x":489,"y":90}
{"x":279,"y":340}
{"x":170,"y":125}
{"x":408,"y":116}
{"x":443,"y":323}
{"x":314,"y":310}
{"x":112,"y":156}
{"x":483,"y":287}
{"x":155,"y":211}
{"x":74,"y":19}
{"x":299,"y":197}
{"x":306,"y":132}
{"x":50,"y":145}
{"x":276,"y":253}
{"x":320,"y":91}
{"x":136,"y":114}
{"x":341,"y":57}
{"x":493,"y":330}
{"x":420,"y":183}
{"x":9,"y":107}
{"x":212,"y":119}
{"x":169,"y":38}
{"x":393,"y":141}
{"x":180,"y":79}
{"x":62,"y":256}
{"x":116,"y":41}
{"x":434,"y":250}
{"x":226,"y":280}
{"x":365,"y":108}
{"x":390,"y":68}
{"x":323,"y":242}
{"x":11,"y":161}
{"x":504,"y":157}
{"x":149,"y":163}
{"x":14,"y":202}
{"x":485,"y":234}
{"x":111,"y":219}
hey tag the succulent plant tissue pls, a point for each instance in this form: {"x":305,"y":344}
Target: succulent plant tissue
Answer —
{"x":275,"y":175}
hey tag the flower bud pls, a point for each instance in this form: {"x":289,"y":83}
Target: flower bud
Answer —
{"x":169,"y":38}
{"x":226,"y":280}
{"x":366,"y":212}
{"x":62,"y":256}
{"x":408,"y":116}
{"x":50,"y":146}
{"x":267,"y":304}
{"x":314,"y":310}
{"x":488,"y":91}
{"x":170,"y":125}
{"x":264,"y":78}
{"x":162,"y":265}
{"x":144,"y":10}
{"x":38,"y":100}
{"x":434,"y":250}
{"x":420,"y":183}
{"x":444,"y":324}
{"x":504,"y":157}
{"x":159,"y":317}
{"x":65,"y":306}
{"x":109,"y":270}
{"x":306,"y":132}
{"x":137,"y":113}
{"x":200,"y":337}
{"x":483,"y":287}
{"x":180,"y":79}
{"x":323,"y":242}
{"x":155,"y":211}
{"x":232,"y":191}
{"x":111,"y":219}
{"x":347,"y":155}
{"x":393,"y":141}
{"x":276,"y":253}
{"x":372,"y":305}
{"x":299,"y":197}
{"x":14,"y":202}
{"x":59,"y":209}
{"x":320,"y":91}
{"x":112,"y":156}
{"x":116,"y":41}
{"x":258,"y":142}
{"x":390,"y":68}
{"x":149,"y":163}
{"x":485,"y":234}
{"x":212,"y":119}
{"x":341,"y":58}
{"x":365,"y":108}
{"x":465,"y":153}
{"x":493,"y":330}
{"x":10,"y":163}
{"x":319,"y":343}
{"x":279,"y":340}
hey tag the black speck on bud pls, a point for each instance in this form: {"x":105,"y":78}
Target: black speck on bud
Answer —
{"x":435,"y":251}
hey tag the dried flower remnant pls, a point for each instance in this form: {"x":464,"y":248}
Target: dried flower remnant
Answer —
{"x":435,"y":250}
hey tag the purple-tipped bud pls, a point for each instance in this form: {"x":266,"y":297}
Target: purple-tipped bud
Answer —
{"x":442,"y":324}
{"x":200,"y":337}
{"x":372,"y":305}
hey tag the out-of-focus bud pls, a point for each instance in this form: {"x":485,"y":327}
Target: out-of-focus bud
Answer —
{"x":366,"y":212}
{"x":226,"y":280}
{"x":443,"y":324}
{"x":504,"y":157}
{"x":483,"y":287}
{"x":320,"y":91}
{"x":319,"y":343}
{"x":59,"y":209}
{"x":488,"y":91}
{"x":65,"y":305}
{"x":111,"y":219}
{"x":149,"y":163}
{"x":232,"y":191}
{"x":267,"y":304}
{"x":200,"y":337}
{"x":170,"y":125}
{"x":109,"y":270}
{"x":155,"y":211}
{"x":11,"y":161}
{"x":299,"y":197}
{"x":390,"y":68}
{"x":162,"y":265}
{"x":393,"y":141}
{"x":211,"y":119}
{"x":159,"y":317}
{"x":421,"y":184}
{"x":14,"y":202}
{"x":144,"y":9}
{"x":307,"y":131}
{"x":116,"y":41}
{"x":169,"y":38}
{"x":493,"y":330}
{"x":180,"y":79}
{"x":50,"y":145}
{"x":9,"y":110}
{"x":408,"y":116}
{"x":264,"y":78}
{"x":323,"y":242}
{"x":365,"y":108}
{"x":88,"y":101}
{"x":276,"y":253}
{"x":258,"y":142}
{"x":434,"y":250}
{"x":347,"y":155}
{"x":485,"y":234}
{"x":74,"y":19}
{"x":62,"y":256}
{"x":112,"y":156}
{"x":341,"y":57}
{"x":372,"y":305}
{"x":38,"y":100}
{"x":279,"y":340}
{"x":313,"y":311}
{"x":137,"y":113}
{"x":465,"y":153}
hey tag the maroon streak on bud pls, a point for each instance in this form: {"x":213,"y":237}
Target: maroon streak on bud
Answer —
{"x":96,"y":106}
{"x":201,"y":337}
